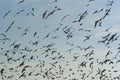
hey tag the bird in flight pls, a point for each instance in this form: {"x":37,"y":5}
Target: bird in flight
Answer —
{"x":21,"y":2}
{"x":44,"y":14}
{"x":6,"y":14}
{"x":10,"y":26}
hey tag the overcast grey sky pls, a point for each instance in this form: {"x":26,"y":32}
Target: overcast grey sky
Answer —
{"x":27,"y":18}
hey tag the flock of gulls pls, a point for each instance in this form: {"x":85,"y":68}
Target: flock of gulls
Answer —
{"x":52,"y":44}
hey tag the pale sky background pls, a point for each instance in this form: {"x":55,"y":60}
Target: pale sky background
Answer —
{"x":72,"y":8}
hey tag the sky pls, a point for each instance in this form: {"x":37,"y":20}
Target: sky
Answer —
{"x":42,"y":34}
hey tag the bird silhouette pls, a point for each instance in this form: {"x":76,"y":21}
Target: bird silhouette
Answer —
{"x":87,"y":37}
{"x":35,"y":34}
{"x":82,"y":16}
{"x":44,"y":14}
{"x":6,"y":14}
{"x":19,"y":12}
{"x":64,"y":17}
{"x":10,"y":26}
{"x":21,"y":2}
